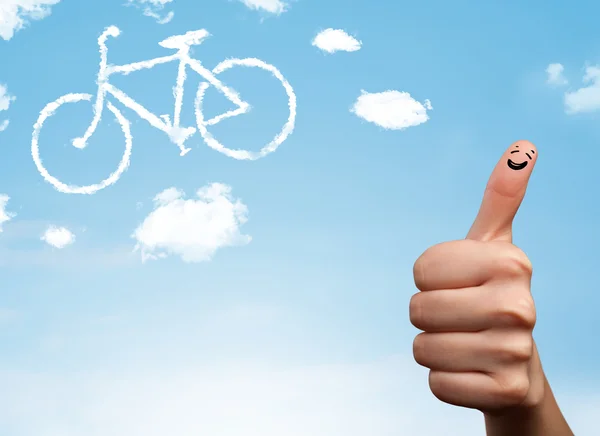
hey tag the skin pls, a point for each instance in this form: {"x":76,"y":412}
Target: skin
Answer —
{"x":477,"y":315}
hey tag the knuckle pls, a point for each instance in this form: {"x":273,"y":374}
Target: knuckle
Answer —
{"x":420,"y":267}
{"x":419,"y":352}
{"x":419,"y":271}
{"x":513,"y":388}
{"x":437,"y":385}
{"x":415,"y":311}
{"x":420,"y":316}
{"x":518,"y":312}
{"x":427,"y":261}
{"x":515,"y":263}
{"x":516,"y":348}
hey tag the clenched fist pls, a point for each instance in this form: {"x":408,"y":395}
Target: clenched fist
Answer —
{"x":475,"y":305}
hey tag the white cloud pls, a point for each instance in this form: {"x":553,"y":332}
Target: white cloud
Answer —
{"x":272,"y":6}
{"x":392,"y":110}
{"x":332,"y":40}
{"x":587,"y":98}
{"x":192,"y":229}
{"x":58,"y":237}
{"x":555,"y":75}
{"x":152,"y":8}
{"x":5,"y":100}
{"x":15,"y":14}
{"x":4,"y":214}
{"x":244,"y":398}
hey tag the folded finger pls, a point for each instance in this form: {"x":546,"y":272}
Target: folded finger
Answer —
{"x":452,"y":310}
{"x":487,"y":351}
{"x":477,"y":390}
{"x":462,"y":264}
{"x":497,"y":305}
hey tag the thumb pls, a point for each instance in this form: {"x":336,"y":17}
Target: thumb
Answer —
{"x":504,"y":193}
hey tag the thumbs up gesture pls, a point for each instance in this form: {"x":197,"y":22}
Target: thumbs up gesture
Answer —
{"x":475,"y":306}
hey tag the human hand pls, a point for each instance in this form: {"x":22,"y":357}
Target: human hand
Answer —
{"x":475,"y":306}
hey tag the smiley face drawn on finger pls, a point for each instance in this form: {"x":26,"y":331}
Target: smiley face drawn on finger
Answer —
{"x":519,"y":165}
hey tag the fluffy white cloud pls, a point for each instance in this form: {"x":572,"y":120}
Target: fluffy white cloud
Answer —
{"x":4,"y":214}
{"x":152,"y":3}
{"x":587,"y":98}
{"x":555,"y":75}
{"x":58,"y":237}
{"x":393,"y":110}
{"x":152,"y":8}
{"x":272,"y":6}
{"x":15,"y":14}
{"x":332,"y":40}
{"x":192,"y":229}
{"x":5,"y":100}
{"x":385,"y":397}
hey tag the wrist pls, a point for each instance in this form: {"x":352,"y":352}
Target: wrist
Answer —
{"x":540,"y":418}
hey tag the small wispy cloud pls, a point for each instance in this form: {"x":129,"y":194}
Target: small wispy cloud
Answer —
{"x":5,"y":101}
{"x":193,"y":229}
{"x":272,"y":6}
{"x":5,"y":98}
{"x":16,"y":14}
{"x":332,"y":40}
{"x":4,"y":214}
{"x":154,"y":8}
{"x":555,"y":75}
{"x":587,"y":98}
{"x":393,"y":110}
{"x":58,"y":237}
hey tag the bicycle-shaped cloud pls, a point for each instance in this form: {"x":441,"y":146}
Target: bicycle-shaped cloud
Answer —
{"x":177,"y":133}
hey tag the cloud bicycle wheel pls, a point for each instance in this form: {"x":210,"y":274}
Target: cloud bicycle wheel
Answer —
{"x":240,"y":153}
{"x":49,"y":111}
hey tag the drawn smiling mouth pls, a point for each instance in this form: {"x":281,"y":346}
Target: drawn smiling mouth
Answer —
{"x":516,"y":166}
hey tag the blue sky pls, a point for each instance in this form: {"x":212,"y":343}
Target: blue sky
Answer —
{"x":292,"y":317}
